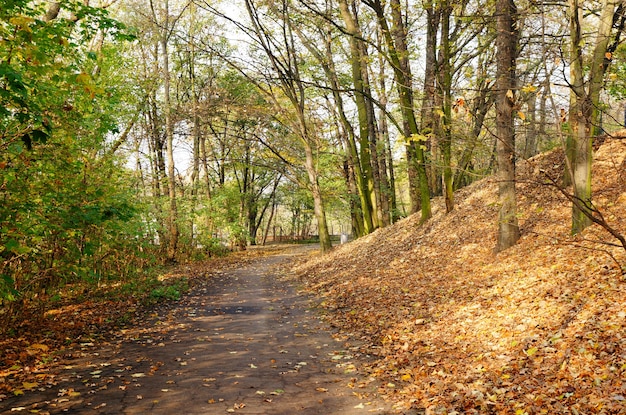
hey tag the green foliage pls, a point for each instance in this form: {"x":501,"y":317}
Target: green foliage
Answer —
{"x":616,"y":83}
{"x":168,"y":292}
{"x":67,"y":212}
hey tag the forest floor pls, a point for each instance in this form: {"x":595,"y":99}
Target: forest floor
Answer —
{"x":456,"y":328}
{"x":427,"y":317}
{"x":243,"y":340}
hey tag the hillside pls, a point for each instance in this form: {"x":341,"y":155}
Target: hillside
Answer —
{"x":539,"y":328}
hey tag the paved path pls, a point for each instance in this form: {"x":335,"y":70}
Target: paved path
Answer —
{"x":244,"y":342}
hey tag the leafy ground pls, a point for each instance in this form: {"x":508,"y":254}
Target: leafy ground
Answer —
{"x":39,"y":343}
{"x":539,"y":328}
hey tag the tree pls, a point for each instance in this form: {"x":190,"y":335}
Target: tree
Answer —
{"x":66,"y":210}
{"x":507,"y":44}
{"x":585,"y":98}
{"x":165,"y":24}
{"x":285,"y":63}
{"x":397,"y":49}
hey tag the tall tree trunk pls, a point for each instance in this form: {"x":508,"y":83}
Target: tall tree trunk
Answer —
{"x":385,"y":161}
{"x":427,"y":115}
{"x":172,"y":220}
{"x":507,"y":43}
{"x":195,"y":174}
{"x":396,"y":40}
{"x":445,"y":88}
{"x":376,"y":173}
{"x":318,"y":203}
{"x":584,"y":104}
{"x":356,"y":62}
{"x":355,"y":173}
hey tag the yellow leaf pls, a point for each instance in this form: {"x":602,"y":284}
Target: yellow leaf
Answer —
{"x":22,"y":22}
{"x":29,"y":385}
{"x":521,"y":115}
{"x":531,"y":351}
{"x":529,"y":89}
{"x":83,"y":78}
{"x":406,"y":377}
{"x":510,"y":95}
{"x":418,"y":137}
{"x":18,"y":392}
{"x":41,"y":347}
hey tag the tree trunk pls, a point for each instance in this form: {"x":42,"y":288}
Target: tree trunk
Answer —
{"x":506,"y":41}
{"x":428,"y":124}
{"x":445,"y":88}
{"x":172,"y":220}
{"x":385,"y":160}
{"x":318,"y":203}
{"x":356,"y":62}
{"x":363,"y":224}
{"x":584,"y":110}
{"x":396,"y":40}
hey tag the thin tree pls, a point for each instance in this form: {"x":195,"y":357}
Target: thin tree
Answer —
{"x":166,"y":23}
{"x":396,"y":39}
{"x":507,"y":44}
{"x":585,"y":99}
{"x":286,"y":66}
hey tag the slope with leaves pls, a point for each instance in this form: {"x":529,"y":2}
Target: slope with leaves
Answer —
{"x":539,"y":328}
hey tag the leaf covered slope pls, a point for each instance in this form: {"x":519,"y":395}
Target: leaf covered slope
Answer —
{"x":539,"y":328}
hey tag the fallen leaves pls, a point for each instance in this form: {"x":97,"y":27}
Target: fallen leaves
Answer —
{"x":454,"y":328}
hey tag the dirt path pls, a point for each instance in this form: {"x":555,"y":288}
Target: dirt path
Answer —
{"x":244,"y":342}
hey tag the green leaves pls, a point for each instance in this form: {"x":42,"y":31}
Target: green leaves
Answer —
{"x":66,"y":207}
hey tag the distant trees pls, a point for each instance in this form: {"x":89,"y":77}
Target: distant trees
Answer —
{"x":459,"y":135}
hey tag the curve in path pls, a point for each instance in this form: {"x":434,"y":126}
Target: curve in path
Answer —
{"x":244,"y":342}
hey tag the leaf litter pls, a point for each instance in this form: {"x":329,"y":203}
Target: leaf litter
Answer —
{"x":455,"y":328}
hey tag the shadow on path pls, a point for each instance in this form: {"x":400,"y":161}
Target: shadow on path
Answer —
{"x":244,"y":342}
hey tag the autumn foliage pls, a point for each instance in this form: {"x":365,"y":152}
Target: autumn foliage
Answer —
{"x":455,"y":328}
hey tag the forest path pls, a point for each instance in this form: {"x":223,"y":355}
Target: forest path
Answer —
{"x":243,"y":341}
